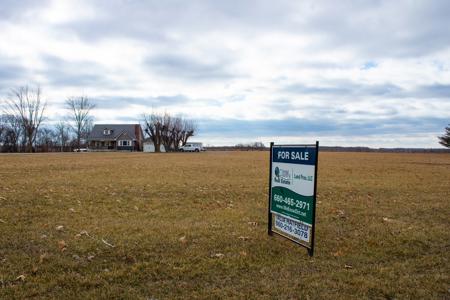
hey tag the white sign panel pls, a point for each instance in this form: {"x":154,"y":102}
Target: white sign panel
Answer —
{"x":293,"y":228}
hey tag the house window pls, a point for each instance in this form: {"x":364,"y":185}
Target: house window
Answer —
{"x":125,"y":143}
{"x":107,"y":131}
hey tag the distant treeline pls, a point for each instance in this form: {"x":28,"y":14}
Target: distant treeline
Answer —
{"x":262,"y":147}
{"x":255,"y":146}
{"x":394,"y":150}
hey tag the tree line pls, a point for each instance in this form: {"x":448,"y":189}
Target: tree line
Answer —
{"x":23,"y":127}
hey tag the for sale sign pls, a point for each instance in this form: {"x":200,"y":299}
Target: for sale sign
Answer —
{"x":292,"y":200}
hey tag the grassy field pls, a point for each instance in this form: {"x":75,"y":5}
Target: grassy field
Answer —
{"x":183,"y":226}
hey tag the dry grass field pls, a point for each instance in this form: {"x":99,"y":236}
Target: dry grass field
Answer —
{"x":188,"y":225}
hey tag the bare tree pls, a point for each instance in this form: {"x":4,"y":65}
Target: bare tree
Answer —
{"x":8,"y":138}
{"x":182,"y":130}
{"x":62,"y":130}
{"x":14,"y":132}
{"x":153,"y":124}
{"x":46,"y":139}
{"x":176,"y":133}
{"x":164,"y":129}
{"x":88,"y":128}
{"x":27,"y":106}
{"x":80,"y":109}
{"x":3,"y":130}
{"x":189,"y":129}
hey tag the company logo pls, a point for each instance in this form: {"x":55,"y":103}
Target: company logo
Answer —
{"x":282,"y":176}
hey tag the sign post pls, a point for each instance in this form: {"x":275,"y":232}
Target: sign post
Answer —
{"x":292,"y":192}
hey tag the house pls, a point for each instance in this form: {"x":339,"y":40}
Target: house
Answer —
{"x":116,"y":137}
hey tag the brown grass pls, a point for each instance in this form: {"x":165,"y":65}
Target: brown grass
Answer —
{"x":195,"y":226}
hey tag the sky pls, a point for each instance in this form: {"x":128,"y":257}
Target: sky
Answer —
{"x":346,"y":73}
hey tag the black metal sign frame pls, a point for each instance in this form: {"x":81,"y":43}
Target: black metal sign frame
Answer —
{"x":270,"y":214}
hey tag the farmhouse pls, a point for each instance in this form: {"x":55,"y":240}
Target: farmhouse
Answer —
{"x":116,"y":137}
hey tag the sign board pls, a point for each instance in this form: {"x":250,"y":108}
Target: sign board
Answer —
{"x":292,"y":192}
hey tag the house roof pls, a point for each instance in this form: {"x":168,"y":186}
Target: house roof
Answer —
{"x":117,"y":130}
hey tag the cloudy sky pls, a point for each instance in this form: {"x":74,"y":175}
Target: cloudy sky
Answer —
{"x":367,"y":73}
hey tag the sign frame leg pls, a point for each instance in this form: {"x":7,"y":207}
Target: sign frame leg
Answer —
{"x":311,"y":250}
{"x":269,"y":225}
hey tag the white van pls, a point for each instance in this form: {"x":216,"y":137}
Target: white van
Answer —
{"x":192,"y":147}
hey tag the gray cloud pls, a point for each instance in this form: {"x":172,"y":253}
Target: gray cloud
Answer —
{"x":76,"y":74}
{"x":323,"y":126}
{"x":383,"y":28}
{"x":433,"y":91}
{"x":11,"y":75}
{"x":319,"y":65}
{"x":351,"y":89}
{"x":155,"y":20}
{"x":115,"y":103}
{"x":345,"y":88}
{"x":373,"y":28}
{"x":337,"y":112}
{"x":11,"y":72}
{"x":281,"y":105}
{"x":12,"y":9}
{"x":183,"y":66}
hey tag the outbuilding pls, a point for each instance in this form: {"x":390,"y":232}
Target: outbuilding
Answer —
{"x":150,"y":147}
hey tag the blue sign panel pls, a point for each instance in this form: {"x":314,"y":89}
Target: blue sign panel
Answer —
{"x":295,"y":155}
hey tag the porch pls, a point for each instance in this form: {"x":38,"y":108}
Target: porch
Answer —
{"x":121,"y":145}
{"x":102,"y":145}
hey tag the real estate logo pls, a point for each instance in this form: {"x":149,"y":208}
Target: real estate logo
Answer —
{"x":282,"y":176}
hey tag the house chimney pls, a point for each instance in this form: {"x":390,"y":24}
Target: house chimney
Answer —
{"x":137,"y":133}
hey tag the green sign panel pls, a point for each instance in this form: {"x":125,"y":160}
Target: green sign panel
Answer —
{"x":289,"y":203}
{"x":292,"y":200}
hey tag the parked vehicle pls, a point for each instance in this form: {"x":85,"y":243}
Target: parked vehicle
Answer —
{"x":192,"y":147}
{"x":80,"y":150}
